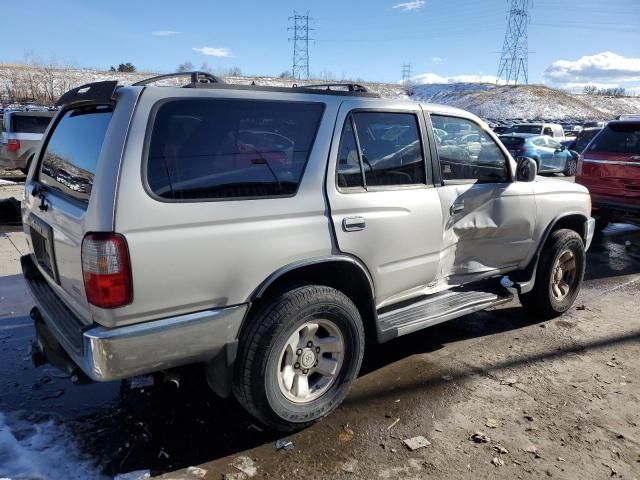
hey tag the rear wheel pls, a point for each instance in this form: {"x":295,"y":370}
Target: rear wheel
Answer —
{"x":571,"y":167}
{"x":299,"y":356}
{"x":558,"y":276}
{"x":25,"y":170}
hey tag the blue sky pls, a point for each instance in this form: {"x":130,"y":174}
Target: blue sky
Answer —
{"x":368,"y":40}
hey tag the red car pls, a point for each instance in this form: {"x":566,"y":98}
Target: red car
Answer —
{"x":610,"y":168}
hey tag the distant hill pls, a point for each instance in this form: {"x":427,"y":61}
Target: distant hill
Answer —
{"x":45,"y":85}
{"x":502,"y":102}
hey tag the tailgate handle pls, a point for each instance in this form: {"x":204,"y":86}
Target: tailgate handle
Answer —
{"x":353,"y":224}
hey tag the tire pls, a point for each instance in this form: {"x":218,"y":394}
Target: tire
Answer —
{"x":601,"y":223}
{"x":544,"y":301}
{"x":25,"y":170}
{"x":570,"y":167}
{"x":266,"y":351}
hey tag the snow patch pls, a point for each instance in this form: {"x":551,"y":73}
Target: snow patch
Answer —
{"x":42,"y":450}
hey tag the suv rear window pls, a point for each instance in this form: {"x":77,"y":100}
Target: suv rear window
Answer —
{"x":71,"y":154}
{"x":29,"y":123}
{"x":618,"y":138}
{"x":215,"y":149}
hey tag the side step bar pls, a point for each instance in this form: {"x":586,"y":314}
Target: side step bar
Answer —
{"x":437,"y":308}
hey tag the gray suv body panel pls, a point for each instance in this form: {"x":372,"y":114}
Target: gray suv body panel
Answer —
{"x":213,"y":255}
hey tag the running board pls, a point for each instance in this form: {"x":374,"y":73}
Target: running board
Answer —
{"x":437,"y":308}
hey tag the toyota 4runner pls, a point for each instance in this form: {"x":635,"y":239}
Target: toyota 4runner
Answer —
{"x":269,"y":232}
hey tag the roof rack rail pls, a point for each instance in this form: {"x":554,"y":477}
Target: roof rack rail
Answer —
{"x":351,"y":87}
{"x":197,"y":78}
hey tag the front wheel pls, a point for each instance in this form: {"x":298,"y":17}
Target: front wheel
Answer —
{"x":299,"y":356}
{"x":558,"y":277}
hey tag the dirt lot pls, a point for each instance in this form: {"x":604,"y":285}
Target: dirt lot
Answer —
{"x":551,"y":399}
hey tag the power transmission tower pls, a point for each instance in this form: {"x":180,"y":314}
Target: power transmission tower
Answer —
{"x":300,"y":39}
{"x":406,"y":73}
{"x":514,"y":60}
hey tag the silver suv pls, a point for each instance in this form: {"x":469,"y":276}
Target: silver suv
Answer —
{"x":270,"y":232}
{"x":21,"y":136}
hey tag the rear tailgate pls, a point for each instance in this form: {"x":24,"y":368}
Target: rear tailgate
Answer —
{"x":611,"y":163}
{"x":64,"y":200}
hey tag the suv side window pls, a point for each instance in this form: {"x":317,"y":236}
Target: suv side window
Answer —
{"x":349,"y":171}
{"x":210,"y":149}
{"x":390,"y":150}
{"x":467,"y":152}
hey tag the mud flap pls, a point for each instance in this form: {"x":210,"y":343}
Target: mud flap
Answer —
{"x":219,"y":370}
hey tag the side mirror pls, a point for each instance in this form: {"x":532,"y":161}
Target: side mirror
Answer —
{"x":526,"y":170}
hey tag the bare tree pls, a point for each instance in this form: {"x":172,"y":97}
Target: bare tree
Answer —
{"x":235,"y":72}
{"x":185,"y":67}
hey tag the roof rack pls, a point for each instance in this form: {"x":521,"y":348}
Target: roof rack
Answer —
{"x":197,"y":79}
{"x":351,"y":87}
{"x":89,"y":93}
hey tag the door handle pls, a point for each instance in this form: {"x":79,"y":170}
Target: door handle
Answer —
{"x":456,"y":207}
{"x":353,"y":224}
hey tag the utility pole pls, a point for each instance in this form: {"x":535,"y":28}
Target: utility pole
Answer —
{"x":514,"y":60}
{"x":406,"y":73}
{"x":300,"y":39}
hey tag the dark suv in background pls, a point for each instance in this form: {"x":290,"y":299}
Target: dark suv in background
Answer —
{"x":610,"y":168}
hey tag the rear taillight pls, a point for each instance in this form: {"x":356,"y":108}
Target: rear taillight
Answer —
{"x":106,"y":270}
{"x":13,"y":145}
{"x":579,"y":168}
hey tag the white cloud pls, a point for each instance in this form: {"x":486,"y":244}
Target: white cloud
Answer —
{"x":164,"y":33}
{"x":602,"y":68}
{"x":213,"y":51}
{"x":436,"y":60}
{"x":435,"y":78}
{"x":409,"y":6}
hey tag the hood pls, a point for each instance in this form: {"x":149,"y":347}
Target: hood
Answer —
{"x":550,"y":184}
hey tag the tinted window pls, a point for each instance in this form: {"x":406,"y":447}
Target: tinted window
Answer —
{"x":511,"y":142}
{"x":71,"y":155}
{"x":467,"y":152}
{"x":349,"y":173}
{"x":391,"y":148}
{"x":583,"y":139}
{"x":618,"y":138}
{"x":30,"y":123}
{"x":524,"y":129}
{"x":210,"y":149}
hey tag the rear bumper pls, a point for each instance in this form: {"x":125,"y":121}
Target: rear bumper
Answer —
{"x":115,"y":353}
{"x":11,"y":160}
{"x":616,"y":210}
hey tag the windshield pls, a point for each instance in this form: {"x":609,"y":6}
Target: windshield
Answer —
{"x":618,"y":138}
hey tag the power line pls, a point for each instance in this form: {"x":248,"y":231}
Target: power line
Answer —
{"x":300,"y":39}
{"x":514,"y":60}
{"x":406,"y":73}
